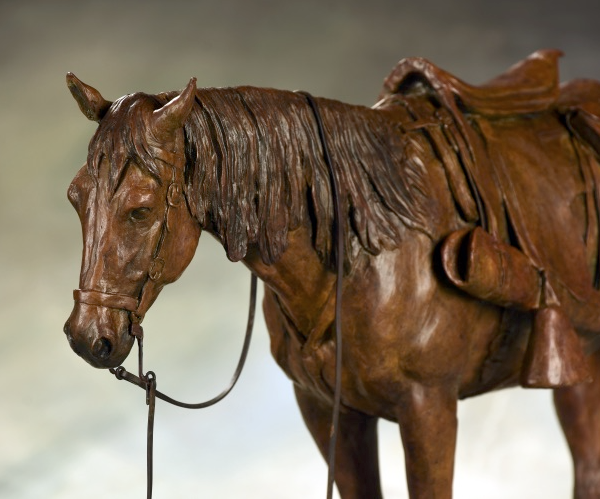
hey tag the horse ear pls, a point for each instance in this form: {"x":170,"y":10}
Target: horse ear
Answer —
{"x":170,"y":117}
{"x":91,"y":103}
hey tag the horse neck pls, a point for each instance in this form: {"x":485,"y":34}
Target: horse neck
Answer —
{"x":268,"y":190}
{"x":303,"y":285}
{"x":260,"y":185}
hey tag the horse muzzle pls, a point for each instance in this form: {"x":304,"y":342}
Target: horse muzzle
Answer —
{"x":100,"y":335}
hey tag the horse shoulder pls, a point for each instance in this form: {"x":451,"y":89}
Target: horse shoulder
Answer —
{"x":402,"y":325}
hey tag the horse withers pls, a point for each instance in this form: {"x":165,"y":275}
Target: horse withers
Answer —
{"x":471,"y":235}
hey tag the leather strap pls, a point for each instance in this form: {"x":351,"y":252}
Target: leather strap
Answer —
{"x":110,"y":300}
{"x":339,"y":236}
{"x":148,"y":382}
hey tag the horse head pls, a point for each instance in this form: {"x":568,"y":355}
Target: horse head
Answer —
{"x":138,"y":231}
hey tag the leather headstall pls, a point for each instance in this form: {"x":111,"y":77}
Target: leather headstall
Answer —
{"x":138,"y":306}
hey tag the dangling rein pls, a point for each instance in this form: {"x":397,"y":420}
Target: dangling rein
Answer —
{"x":147,"y":381}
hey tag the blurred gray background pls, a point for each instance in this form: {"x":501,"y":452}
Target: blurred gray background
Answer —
{"x":70,"y":431}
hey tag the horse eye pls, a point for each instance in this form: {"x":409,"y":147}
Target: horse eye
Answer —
{"x":139,"y":214}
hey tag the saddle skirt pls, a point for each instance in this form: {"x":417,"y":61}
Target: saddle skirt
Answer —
{"x":521,"y":158}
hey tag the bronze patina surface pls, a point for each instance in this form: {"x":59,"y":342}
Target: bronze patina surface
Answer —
{"x":471,"y":262}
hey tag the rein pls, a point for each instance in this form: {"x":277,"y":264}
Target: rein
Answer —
{"x":137,"y":308}
{"x":148,"y":382}
{"x":337,"y":392}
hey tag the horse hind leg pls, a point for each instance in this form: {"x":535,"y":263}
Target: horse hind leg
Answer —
{"x":578,"y":409}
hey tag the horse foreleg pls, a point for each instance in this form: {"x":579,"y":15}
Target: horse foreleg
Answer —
{"x":578,"y":409}
{"x":357,"y":461}
{"x":428,"y":425}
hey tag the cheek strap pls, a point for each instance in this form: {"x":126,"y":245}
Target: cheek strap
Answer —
{"x":138,"y":307}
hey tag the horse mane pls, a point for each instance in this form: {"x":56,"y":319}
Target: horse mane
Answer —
{"x":267,"y":174}
{"x":254,"y":169}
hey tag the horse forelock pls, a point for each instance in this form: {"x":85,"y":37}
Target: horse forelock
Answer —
{"x":121,"y":137}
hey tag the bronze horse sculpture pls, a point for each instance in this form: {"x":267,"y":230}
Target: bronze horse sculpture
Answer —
{"x":471,"y":228}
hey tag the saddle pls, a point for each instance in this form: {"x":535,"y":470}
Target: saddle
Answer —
{"x":529,"y":86}
{"x":508,"y":262}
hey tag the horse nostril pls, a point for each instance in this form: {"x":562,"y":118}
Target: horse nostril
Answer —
{"x":101,"y":348}
{"x":67,"y":329}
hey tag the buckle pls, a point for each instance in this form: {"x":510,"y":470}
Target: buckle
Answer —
{"x":174,"y":194}
{"x":156,"y":268}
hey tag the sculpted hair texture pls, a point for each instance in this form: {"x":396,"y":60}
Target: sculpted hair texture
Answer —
{"x":257,"y":172}
{"x":254,"y":169}
{"x":120,"y":138}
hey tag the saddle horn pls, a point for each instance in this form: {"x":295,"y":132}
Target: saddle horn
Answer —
{"x":90,"y":101}
{"x":170,"y":117}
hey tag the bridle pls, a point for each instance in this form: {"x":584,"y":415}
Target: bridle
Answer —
{"x":138,"y":306}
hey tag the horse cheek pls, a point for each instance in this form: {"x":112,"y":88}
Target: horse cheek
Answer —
{"x":179,"y":249}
